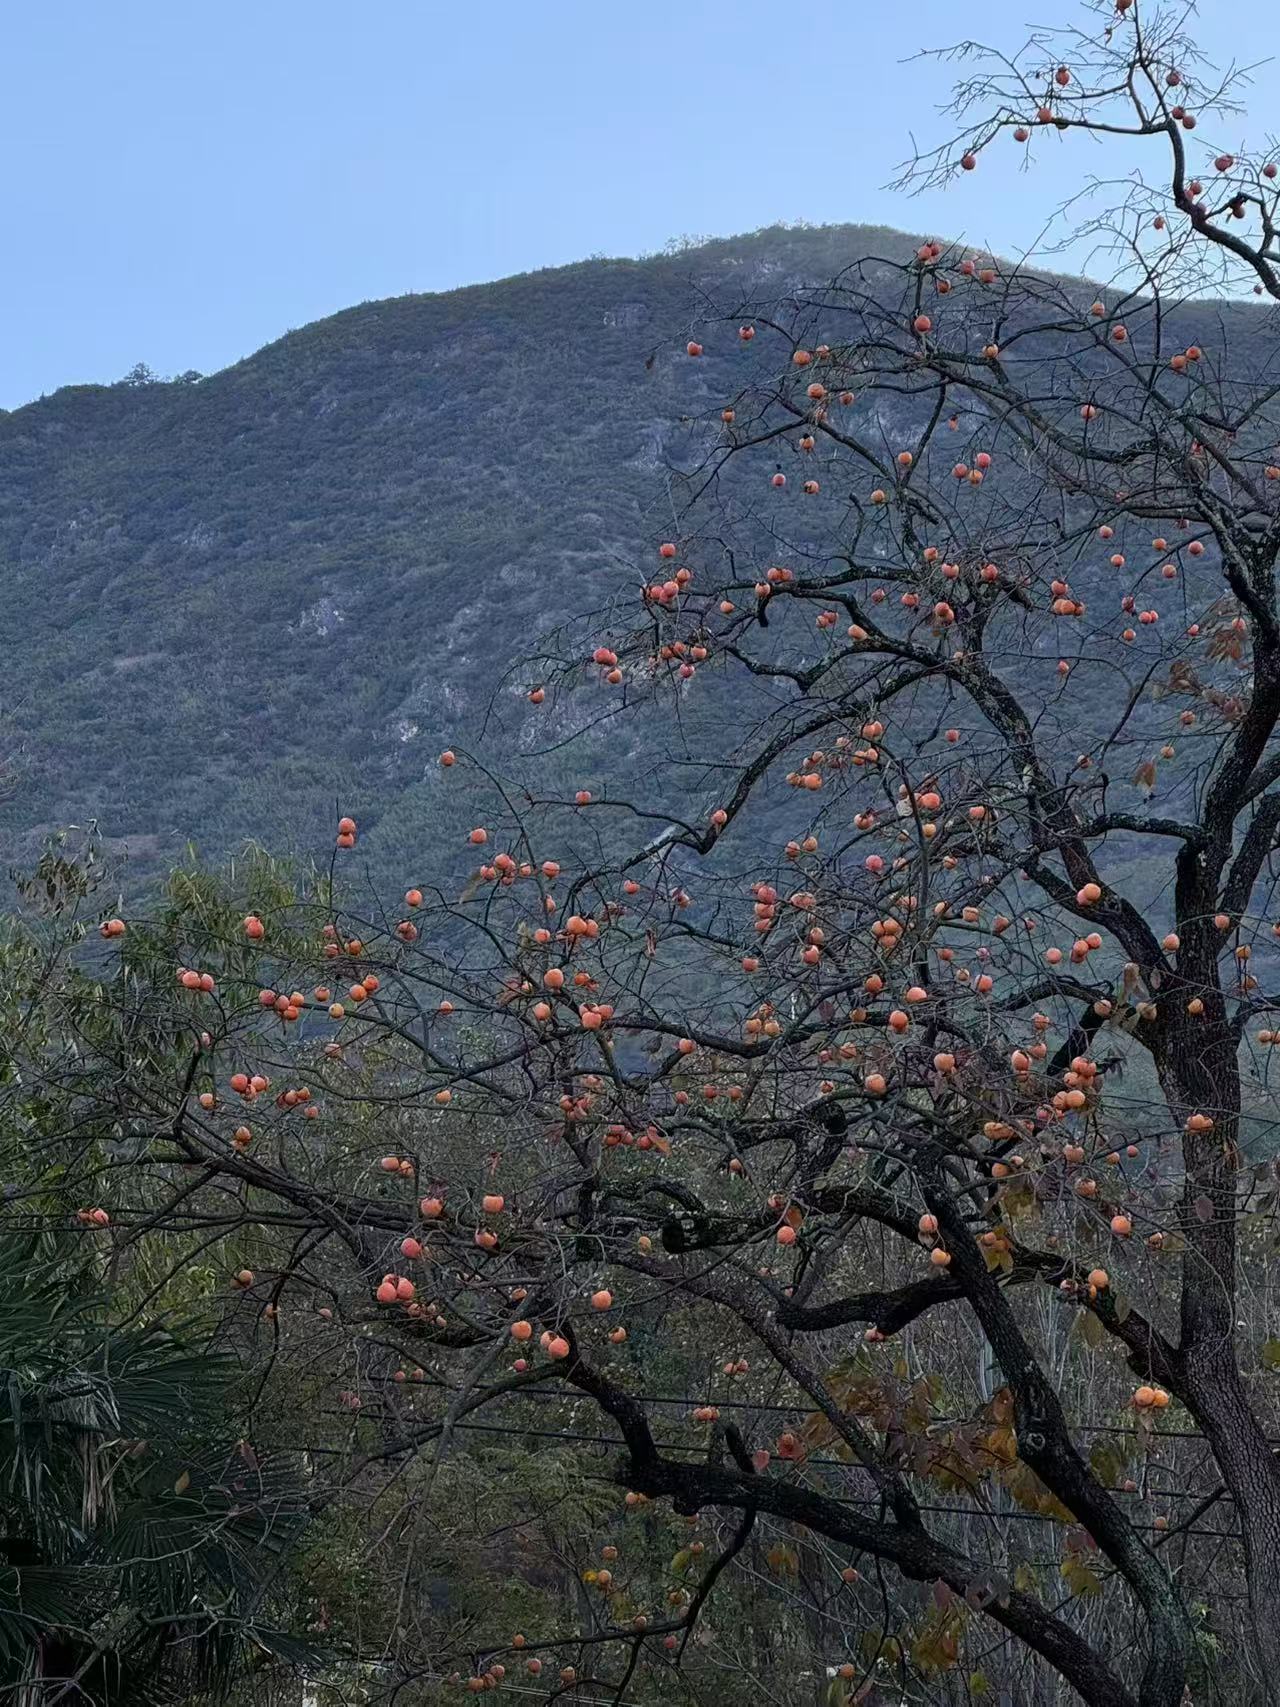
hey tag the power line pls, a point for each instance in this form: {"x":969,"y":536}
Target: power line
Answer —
{"x":690,"y":1402}
{"x":523,"y":1433}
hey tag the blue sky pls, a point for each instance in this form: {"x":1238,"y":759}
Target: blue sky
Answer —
{"x":185,"y":182}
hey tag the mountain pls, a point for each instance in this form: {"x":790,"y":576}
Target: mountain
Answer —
{"x":238,"y":605}
{"x":237,"y":600}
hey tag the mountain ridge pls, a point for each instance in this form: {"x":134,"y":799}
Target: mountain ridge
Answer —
{"x":676,"y":251}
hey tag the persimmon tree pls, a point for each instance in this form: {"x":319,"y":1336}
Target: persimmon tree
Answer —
{"x":936,"y":1027}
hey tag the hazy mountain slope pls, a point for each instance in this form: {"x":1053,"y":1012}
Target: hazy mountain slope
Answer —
{"x":230,"y":601}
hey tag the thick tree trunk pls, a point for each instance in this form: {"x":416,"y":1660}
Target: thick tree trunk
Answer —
{"x":1199,"y":1073}
{"x":1251,"y":1473}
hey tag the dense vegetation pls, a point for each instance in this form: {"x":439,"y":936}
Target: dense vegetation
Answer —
{"x":241,"y":598}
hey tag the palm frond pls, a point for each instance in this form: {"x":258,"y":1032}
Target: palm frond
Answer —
{"x":141,"y":1543}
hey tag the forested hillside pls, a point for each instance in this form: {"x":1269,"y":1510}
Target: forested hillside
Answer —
{"x":232,"y":599}
{"x":235,"y":599}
